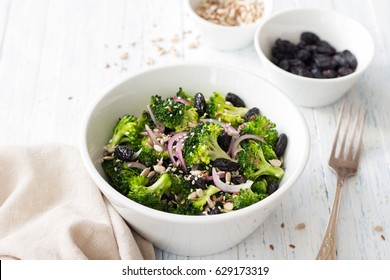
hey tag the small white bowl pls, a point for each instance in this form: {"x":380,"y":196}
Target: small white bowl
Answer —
{"x":193,"y":235}
{"x":339,"y":30}
{"x":226,"y":38}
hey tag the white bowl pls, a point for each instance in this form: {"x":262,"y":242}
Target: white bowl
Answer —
{"x":226,"y":38}
{"x":192,"y":235}
{"x":339,"y":30}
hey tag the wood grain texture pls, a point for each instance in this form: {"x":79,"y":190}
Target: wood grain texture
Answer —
{"x":56,"y":56}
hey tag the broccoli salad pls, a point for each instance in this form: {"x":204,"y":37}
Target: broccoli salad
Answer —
{"x":189,"y":155}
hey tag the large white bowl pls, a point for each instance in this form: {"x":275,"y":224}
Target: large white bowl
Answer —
{"x":226,"y":38}
{"x":192,"y":235}
{"x":339,"y":30}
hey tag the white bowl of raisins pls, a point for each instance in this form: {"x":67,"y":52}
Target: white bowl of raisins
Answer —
{"x":315,"y":56}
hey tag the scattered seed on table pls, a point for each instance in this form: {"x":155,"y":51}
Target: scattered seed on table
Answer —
{"x":282,"y":225}
{"x":291,"y":246}
{"x":300,"y":226}
{"x":378,"y":228}
{"x":383,"y":237}
{"x":271,"y":246}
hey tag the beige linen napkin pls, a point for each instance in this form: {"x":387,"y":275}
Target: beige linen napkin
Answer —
{"x":51,"y":209}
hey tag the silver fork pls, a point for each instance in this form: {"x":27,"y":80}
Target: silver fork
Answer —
{"x":344,"y":162}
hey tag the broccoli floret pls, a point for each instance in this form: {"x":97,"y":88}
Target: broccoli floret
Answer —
{"x":201,"y":145}
{"x":260,"y":187}
{"x":182,"y":94}
{"x":190,"y":119}
{"x":149,"y":155}
{"x":200,"y":202}
{"x":219,"y":109}
{"x":263,"y":127}
{"x":245,"y":198}
{"x":119,"y":174}
{"x":253,"y":163}
{"x":149,"y":196}
{"x":174,"y":115}
{"x":127,"y":131}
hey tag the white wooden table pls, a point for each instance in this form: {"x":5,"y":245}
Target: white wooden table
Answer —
{"x":55,"y":56}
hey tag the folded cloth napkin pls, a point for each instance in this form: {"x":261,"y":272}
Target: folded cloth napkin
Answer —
{"x":51,"y":209}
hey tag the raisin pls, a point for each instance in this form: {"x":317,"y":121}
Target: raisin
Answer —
{"x":350,"y":58}
{"x":197,"y":182}
{"x":238,"y":180}
{"x":224,"y":140}
{"x":344,"y":71}
{"x":281,"y":145}
{"x":309,"y":38}
{"x":235,"y":100}
{"x":215,"y":211}
{"x":200,"y":103}
{"x":251,"y":113}
{"x":225,"y":164}
{"x":329,"y":73}
{"x":301,"y":71}
{"x":284,"y":64}
{"x":124,"y":152}
{"x":272,"y":187}
{"x":325,"y":48}
{"x":303,"y":55}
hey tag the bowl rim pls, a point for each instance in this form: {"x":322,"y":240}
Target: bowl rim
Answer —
{"x":177,"y":218}
{"x":267,"y":11}
{"x":353,"y":75}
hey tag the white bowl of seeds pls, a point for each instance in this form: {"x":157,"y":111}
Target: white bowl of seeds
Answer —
{"x":228,"y":25}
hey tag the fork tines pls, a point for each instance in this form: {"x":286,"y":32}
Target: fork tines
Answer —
{"x":353,"y":137}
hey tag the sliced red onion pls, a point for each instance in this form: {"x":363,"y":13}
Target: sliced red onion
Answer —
{"x":179,"y":154}
{"x":243,"y":137}
{"x":181,"y":100}
{"x":159,"y":125}
{"x":221,"y":174}
{"x":171,"y":141}
{"x":151,"y":114}
{"x":153,"y":137}
{"x":229,"y":188}
{"x":136,"y":164}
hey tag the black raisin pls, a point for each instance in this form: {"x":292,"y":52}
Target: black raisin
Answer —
{"x":285,"y":46}
{"x":200,"y":103}
{"x":235,"y":100}
{"x":316,"y":73}
{"x":347,"y":55}
{"x":124,"y":152}
{"x":301,"y":71}
{"x":251,"y":113}
{"x":344,"y":71}
{"x":281,"y":145}
{"x":225,"y":164}
{"x":296,"y":62}
{"x":325,"y":48}
{"x":214,"y":211}
{"x":197,"y":182}
{"x":272,"y":187}
{"x":303,"y":55}
{"x":238,"y":180}
{"x":224,"y":140}
{"x":309,"y":38}
{"x":284,"y":64}
{"x":329,"y":74}
{"x":152,"y":180}
{"x":323,"y":61}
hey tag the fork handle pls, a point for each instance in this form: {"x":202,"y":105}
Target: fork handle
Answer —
{"x":328,"y":247}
